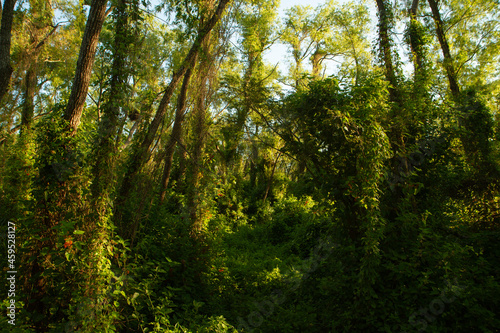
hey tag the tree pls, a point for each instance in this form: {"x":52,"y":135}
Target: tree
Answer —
{"x":74,"y":109}
{"x":415,"y":37}
{"x":108,"y":126}
{"x":205,"y":75}
{"x":448,"y":61}
{"x":7,"y":13}
{"x":349,"y":39}
{"x":141,"y":153}
{"x":470,"y":28}
{"x":176,"y":136}
{"x":299,"y":33}
{"x":38,"y":24}
{"x":386,"y":21}
{"x":329,"y":33}
{"x":58,"y":160}
{"x":247,"y":84}
{"x":474,"y":117}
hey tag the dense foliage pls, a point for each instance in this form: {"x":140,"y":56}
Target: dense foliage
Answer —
{"x":159,"y":172}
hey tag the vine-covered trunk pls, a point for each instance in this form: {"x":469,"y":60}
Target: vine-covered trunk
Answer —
{"x":5,"y":42}
{"x":58,"y":203}
{"x":29,"y":98}
{"x":200,"y":112}
{"x":415,"y":40}
{"x":316,"y":60}
{"x":385,"y":41}
{"x":176,"y":135}
{"x":141,"y":154}
{"x":103,"y":169}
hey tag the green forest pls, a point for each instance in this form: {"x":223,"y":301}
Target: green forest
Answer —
{"x":163,"y":170}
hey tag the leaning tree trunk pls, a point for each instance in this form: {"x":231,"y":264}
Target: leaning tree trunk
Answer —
{"x":74,"y":109}
{"x":175,"y":136}
{"x":5,"y":42}
{"x":141,"y":154}
{"x":476,"y":144}
{"x":181,"y":174}
{"x":445,"y":48}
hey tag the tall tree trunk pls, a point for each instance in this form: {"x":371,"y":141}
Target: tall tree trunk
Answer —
{"x":5,"y":42}
{"x":105,"y":145}
{"x":200,"y":111}
{"x":298,"y":69}
{"x":385,"y":41}
{"x":74,"y":109}
{"x":55,"y":178}
{"x":253,"y":164}
{"x":29,"y":98}
{"x":385,"y":21}
{"x":445,"y":48}
{"x":316,"y":59}
{"x":199,"y":129}
{"x":399,"y":119}
{"x":176,"y":134}
{"x":415,"y":42}
{"x":140,"y":156}
{"x":181,"y":175}
{"x":131,"y":133}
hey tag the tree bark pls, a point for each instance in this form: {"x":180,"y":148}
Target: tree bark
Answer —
{"x":397,"y":131}
{"x":415,"y":44}
{"x":205,"y":71}
{"x":140,"y":156}
{"x":74,"y":109}
{"x":385,"y":18}
{"x":181,"y":175}
{"x":176,"y":134}
{"x":105,"y":145}
{"x":131,"y":133}
{"x":445,"y":48}
{"x":29,"y":97}
{"x":253,"y":164}
{"x":5,"y":42}
{"x":316,"y":59}
{"x":199,"y":129}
